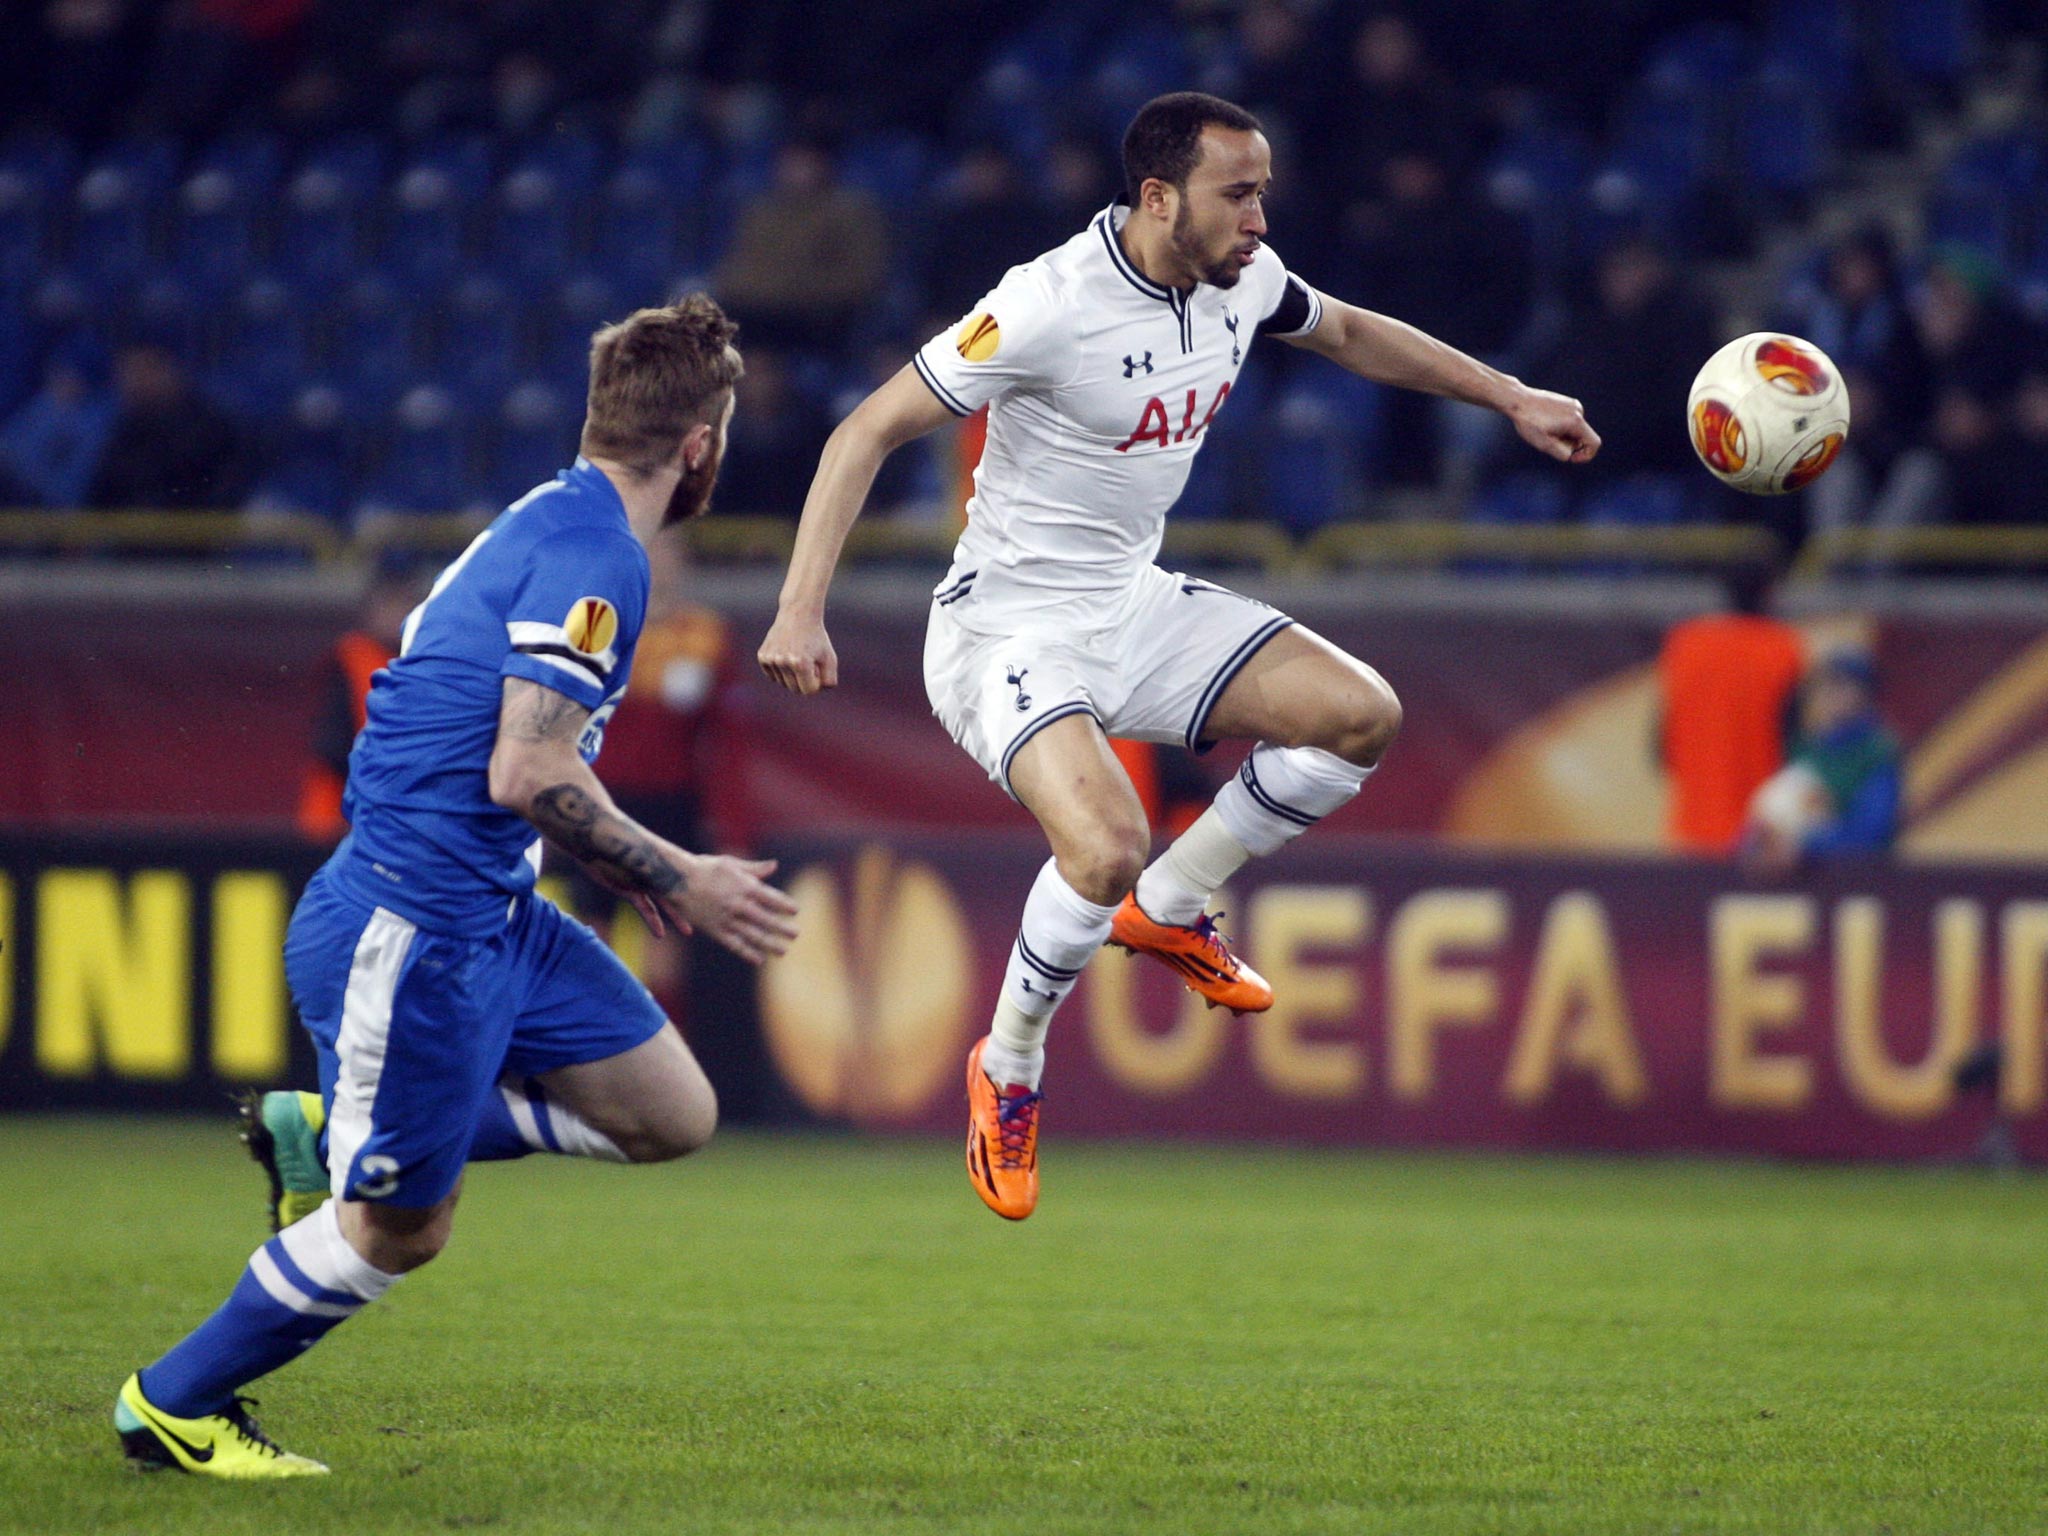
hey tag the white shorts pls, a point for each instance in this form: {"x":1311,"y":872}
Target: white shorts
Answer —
{"x":1153,"y":675}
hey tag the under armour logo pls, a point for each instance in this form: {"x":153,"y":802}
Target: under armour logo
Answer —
{"x":1017,"y":675}
{"x":1133,"y":364}
{"x":1025,"y":983}
{"x":1230,"y":325}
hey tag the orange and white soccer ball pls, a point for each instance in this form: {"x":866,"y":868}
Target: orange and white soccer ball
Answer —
{"x":1769,"y":413}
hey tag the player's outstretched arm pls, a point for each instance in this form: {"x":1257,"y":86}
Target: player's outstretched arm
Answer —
{"x":537,"y":771}
{"x":1393,"y":352}
{"x":798,"y":653}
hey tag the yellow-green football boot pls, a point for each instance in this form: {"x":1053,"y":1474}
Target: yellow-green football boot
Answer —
{"x":282,"y":1130}
{"x":224,"y":1444}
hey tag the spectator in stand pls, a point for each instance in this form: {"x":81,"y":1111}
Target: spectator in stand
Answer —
{"x":1448,"y":263}
{"x":987,"y":223}
{"x":1727,"y":684}
{"x":1845,"y":766}
{"x":170,"y":447}
{"x":344,"y":694}
{"x":1392,"y":102}
{"x":2018,"y":461}
{"x":51,"y":446}
{"x":1627,"y":352}
{"x":773,"y":443}
{"x":1976,"y":337}
{"x":809,"y":256}
{"x":1859,"y":315}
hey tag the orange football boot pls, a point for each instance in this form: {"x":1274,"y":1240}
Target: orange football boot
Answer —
{"x":1002,"y":1141}
{"x":1198,"y":953}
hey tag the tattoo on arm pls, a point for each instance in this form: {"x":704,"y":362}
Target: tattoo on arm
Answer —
{"x":615,"y":848}
{"x":534,"y":713}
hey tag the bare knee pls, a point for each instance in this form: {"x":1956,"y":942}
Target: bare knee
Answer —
{"x":672,"y":1130}
{"x":396,"y":1239}
{"x":1105,"y":866}
{"x":1369,"y":725}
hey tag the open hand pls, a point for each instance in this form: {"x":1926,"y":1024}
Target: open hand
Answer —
{"x":731,"y":901}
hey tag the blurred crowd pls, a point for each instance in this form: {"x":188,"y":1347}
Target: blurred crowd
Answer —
{"x":344,"y":256}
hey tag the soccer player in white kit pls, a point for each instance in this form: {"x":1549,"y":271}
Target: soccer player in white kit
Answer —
{"x":1103,"y":364}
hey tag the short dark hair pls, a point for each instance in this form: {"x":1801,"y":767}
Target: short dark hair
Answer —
{"x":1165,"y":138}
{"x":653,"y":376}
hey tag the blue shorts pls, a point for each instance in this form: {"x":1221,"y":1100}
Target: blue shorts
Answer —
{"x":414,"y":1029}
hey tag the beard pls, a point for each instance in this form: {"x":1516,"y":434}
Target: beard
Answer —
{"x":692,"y":495}
{"x":1220,"y":272}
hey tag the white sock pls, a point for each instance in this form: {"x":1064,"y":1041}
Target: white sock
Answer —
{"x":1061,"y":930}
{"x":1194,"y":867}
{"x":316,"y":1245}
{"x":564,"y":1130}
{"x":1281,"y":792}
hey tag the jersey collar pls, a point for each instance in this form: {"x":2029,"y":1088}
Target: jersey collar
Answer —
{"x":588,"y":475}
{"x":1107,"y":224}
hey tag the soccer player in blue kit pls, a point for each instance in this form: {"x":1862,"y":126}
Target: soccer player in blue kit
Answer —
{"x":459,"y":1017}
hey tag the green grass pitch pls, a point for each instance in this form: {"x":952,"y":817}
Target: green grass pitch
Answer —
{"x":819,"y":1335}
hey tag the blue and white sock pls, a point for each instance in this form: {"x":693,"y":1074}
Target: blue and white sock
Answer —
{"x":296,"y":1288}
{"x":520,"y":1119}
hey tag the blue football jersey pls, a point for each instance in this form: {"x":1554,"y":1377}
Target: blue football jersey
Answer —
{"x":555,"y":591}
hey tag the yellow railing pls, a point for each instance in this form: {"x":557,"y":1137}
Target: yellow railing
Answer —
{"x":169,"y":533}
{"x":1441,"y":543}
{"x":767,"y":541}
{"x":1923,"y":548}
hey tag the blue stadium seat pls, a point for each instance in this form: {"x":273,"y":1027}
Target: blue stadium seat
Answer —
{"x":254,"y":162}
{"x":113,"y":211}
{"x":533,"y":436}
{"x":1146,"y":59}
{"x":311,"y":457}
{"x":1933,"y":41}
{"x":47,"y":160}
{"x":264,"y":350}
{"x":893,"y":168}
{"x":1318,"y":447}
{"x":633,"y":234}
{"x":424,"y":464}
{"x":355,"y":159}
{"x":320,"y":227}
{"x":1980,"y":217}
{"x":680,"y":166}
{"x":576,"y":160}
{"x":213,"y":232}
{"x":580,"y":306}
{"x":478,"y":344}
{"x":466,"y":160}
{"x":1669,"y":136}
{"x":150,"y":160}
{"x":376,"y":338}
{"x":535,"y":221}
{"x":1710,"y":55}
{"x":24,"y":234}
{"x":1783,"y":133}
{"x":426,"y":217}
{"x":164,"y":311}
{"x":1814,"y":41}
{"x":1520,"y":499}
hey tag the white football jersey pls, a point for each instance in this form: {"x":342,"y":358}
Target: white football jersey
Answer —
{"x":1101,"y":386}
